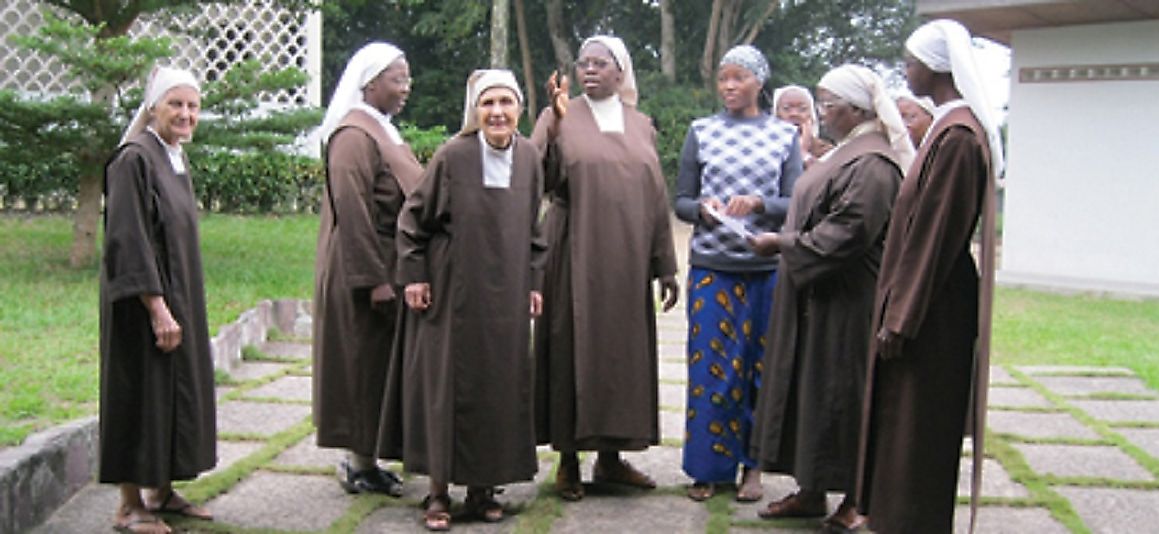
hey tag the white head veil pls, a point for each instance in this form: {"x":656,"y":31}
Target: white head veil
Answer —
{"x":161,"y":80}
{"x":924,"y":102}
{"x":482,"y":80}
{"x":781,"y":91}
{"x":944,"y":46}
{"x":627,"y":92}
{"x":864,"y":89}
{"x":366,"y":64}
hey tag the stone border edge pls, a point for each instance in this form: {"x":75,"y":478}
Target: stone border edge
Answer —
{"x":44,"y":472}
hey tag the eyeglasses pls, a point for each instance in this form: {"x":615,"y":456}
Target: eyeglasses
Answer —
{"x":826,"y":105}
{"x":407,"y":81}
{"x":598,"y":63}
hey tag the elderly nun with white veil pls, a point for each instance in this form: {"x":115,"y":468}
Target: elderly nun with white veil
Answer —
{"x":810,"y":404}
{"x":369,"y":172}
{"x":470,"y":260}
{"x":158,"y":421}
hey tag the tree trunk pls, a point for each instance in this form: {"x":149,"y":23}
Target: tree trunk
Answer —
{"x":528,"y":68}
{"x":500,"y":24}
{"x":667,"y":41}
{"x":708,"y":59}
{"x":559,"y":42}
{"x":754,"y":27}
{"x":724,"y":29}
{"x":90,"y":189}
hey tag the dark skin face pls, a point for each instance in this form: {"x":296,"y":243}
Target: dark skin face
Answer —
{"x":918,"y":76}
{"x":837,"y":116}
{"x":739,"y":89}
{"x":388,"y":91}
{"x":597,"y":72}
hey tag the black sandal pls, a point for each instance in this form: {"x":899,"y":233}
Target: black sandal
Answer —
{"x":481,"y":503}
{"x":437,"y":512}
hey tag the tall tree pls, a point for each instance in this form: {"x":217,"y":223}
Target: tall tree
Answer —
{"x":667,"y":41}
{"x":525,"y":53}
{"x":559,"y":41}
{"x":500,"y":26}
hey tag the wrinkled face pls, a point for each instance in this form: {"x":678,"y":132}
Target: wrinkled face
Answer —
{"x":837,"y":116}
{"x":388,"y":91}
{"x":175,"y":114}
{"x":794,"y":107}
{"x":918,"y":76}
{"x":916,"y":120}
{"x":596,"y":69}
{"x":739,"y":89}
{"x":498,"y":111}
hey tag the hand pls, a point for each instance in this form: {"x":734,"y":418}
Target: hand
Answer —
{"x":707,"y":218}
{"x":806,"y":130}
{"x":741,"y":205}
{"x":536,"y":304}
{"x":557,"y":94}
{"x":766,"y":243}
{"x":889,"y":343}
{"x":669,"y":291}
{"x":418,"y":296}
{"x":380,"y":295}
{"x":165,"y":328}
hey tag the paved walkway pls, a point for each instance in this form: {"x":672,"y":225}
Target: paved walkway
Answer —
{"x":1071,"y":450}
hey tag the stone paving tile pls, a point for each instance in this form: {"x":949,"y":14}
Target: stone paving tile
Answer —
{"x":261,"y":418}
{"x":672,"y":425}
{"x":1082,"y":461}
{"x":298,"y":388}
{"x":252,"y":370}
{"x":1036,"y":370}
{"x":999,"y":377}
{"x":1008,"y":520}
{"x":673,"y":352}
{"x":637,"y":513}
{"x":1114,"y":511}
{"x":660,"y":463}
{"x":673,"y":396}
{"x":1144,"y":438}
{"x":90,"y":510}
{"x":221,"y":391}
{"x":281,"y":501}
{"x":306,"y":454}
{"x":1038,"y":425}
{"x":673,"y":371}
{"x":1016,"y":397}
{"x":229,"y":452}
{"x":1120,"y":411}
{"x":996,"y":482}
{"x":776,"y":487}
{"x":287,"y":349}
{"x":1088,"y":385}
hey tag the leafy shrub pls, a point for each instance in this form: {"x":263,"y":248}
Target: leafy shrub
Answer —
{"x":672,"y":108}
{"x":258,"y":182}
{"x":422,"y":141}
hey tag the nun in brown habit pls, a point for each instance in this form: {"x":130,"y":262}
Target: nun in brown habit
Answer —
{"x":470,"y":259}
{"x":158,"y":421}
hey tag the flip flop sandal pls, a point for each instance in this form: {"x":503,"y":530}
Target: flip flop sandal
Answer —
{"x":437,"y":513}
{"x":482,"y":504}
{"x":136,"y":523}
{"x":178,"y":505}
{"x":701,"y":492}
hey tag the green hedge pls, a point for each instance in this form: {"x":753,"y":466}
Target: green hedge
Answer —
{"x":265,"y":182}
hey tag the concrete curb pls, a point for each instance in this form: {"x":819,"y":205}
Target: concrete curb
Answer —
{"x":46,"y":470}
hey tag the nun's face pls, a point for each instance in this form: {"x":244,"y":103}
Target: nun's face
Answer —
{"x":596,"y":69}
{"x":916,"y":120}
{"x":739,"y":89}
{"x":498,"y":113}
{"x":918,"y":76}
{"x":794,"y":107}
{"x":838,"y":117}
{"x":175,"y":114}
{"x":388,"y":91}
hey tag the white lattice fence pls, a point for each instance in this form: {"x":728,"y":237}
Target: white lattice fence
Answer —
{"x":253,"y":30}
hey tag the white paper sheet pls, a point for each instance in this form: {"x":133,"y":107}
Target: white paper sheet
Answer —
{"x":732,"y":223}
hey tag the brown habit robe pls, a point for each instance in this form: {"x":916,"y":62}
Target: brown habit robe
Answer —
{"x":809,"y":407}
{"x":367,"y":179}
{"x":610,"y":235}
{"x":916,"y":405}
{"x":158,"y":421}
{"x":459,"y":394}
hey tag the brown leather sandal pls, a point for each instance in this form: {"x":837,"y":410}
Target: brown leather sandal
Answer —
{"x":437,"y":512}
{"x":481,"y":503}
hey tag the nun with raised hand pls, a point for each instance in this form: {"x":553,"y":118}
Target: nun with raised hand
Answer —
{"x":369,"y":172}
{"x":929,"y":359}
{"x":470,"y":261}
{"x":740,"y":163}
{"x":158,"y":420}
{"x":610,"y":235}
{"x":809,"y":412}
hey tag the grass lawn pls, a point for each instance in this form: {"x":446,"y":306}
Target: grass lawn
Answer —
{"x":49,"y":362}
{"x":48,"y":313}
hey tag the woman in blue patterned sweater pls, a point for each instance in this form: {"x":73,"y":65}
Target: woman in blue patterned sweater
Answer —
{"x":738,"y":165}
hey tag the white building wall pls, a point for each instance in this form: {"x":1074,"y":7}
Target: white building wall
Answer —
{"x":1082,"y":184}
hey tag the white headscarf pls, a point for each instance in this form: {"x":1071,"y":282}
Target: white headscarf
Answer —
{"x":923,"y":102}
{"x":627,"y":92}
{"x":781,"y":91}
{"x":161,"y":80}
{"x":945,"y":46}
{"x":482,"y":80}
{"x":366,"y":64}
{"x":864,"y":89}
